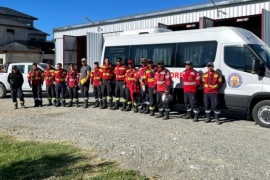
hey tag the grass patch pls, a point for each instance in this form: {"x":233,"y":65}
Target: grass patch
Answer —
{"x":37,"y":160}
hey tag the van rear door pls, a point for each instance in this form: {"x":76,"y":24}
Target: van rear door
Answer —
{"x":240,"y":82}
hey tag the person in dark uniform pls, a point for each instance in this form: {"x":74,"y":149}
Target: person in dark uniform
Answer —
{"x":15,"y":79}
{"x":35,"y":80}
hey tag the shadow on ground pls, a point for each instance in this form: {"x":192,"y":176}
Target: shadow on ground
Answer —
{"x":61,"y":165}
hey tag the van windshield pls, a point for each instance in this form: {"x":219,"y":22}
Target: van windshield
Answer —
{"x":263,"y":52}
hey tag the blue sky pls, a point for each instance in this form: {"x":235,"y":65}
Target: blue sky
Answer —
{"x":58,"y":13}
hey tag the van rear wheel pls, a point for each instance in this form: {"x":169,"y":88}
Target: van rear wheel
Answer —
{"x":261,"y":113}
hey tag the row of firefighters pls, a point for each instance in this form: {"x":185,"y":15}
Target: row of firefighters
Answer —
{"x":150,"y":86}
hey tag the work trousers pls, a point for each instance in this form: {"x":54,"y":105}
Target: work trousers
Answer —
{"x":85,"y":90}
{"x":191,"y":101}
{"x":97,"y":92}
{"x":162,"y":106}
{"x":211,"y":102}
{"x":60,"y":89}
{"x":120,"y":91}
{"x":151,"y":98}
{"x":106,"y":89}
{"x":50,"y":89}
{"x":17,"y":92}
{"x":37,"y":92}
{"x":131,"y":94}
{"x":73,"y":92}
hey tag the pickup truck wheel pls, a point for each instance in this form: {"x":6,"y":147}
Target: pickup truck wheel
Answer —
{"x":3,"y":91}
{"x":261,"y":113}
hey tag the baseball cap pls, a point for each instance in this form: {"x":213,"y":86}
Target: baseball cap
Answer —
{"x":188,"y":62}
{"x":83,"y":59}
{"x":160,"y":62}
{"x":210,"y":64}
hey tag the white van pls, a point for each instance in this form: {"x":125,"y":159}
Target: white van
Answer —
{"x":239,"y":55}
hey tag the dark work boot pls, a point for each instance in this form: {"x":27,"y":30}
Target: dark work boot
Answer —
{"x":54,"y":102}
{"x":208,"y":118}
{"x":104,"y":104}
{"x":128,"y":108}
{"x":15,"y":105}
{"x":152,"y":112}
{"x":196,"y":117}
{"x":96,"y":104}
{"x":36,"y":103}
{"x":101,"y":104}
{"x":135,"y":109}
{"x":77,"y":102}
{"x":146,"y":110}
{"x":124,"y":106}
{"x":166,"y":117}
{"x":22,"y":104}
{"x":188,"y":116}
{"x":63,"y":103}
{"x":40,"y":103}
{"x":70,"y":104}
{"x":116,"y":105}
{"x":111,"y":104}
{"x":50,"y":102}
{"x":85,"y":103}
{"x":57,"y":104}
{"x":217,"y":119}
{"x":142,"y":108}
{"x":161,"y":114}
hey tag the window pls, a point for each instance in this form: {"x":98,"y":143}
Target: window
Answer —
{"x":199,"y":53}
{"x":240,"y":58}
{"x":156,"y":52}
{"x":1,"y":61}
{"x":11,"y":31}
{"x":115,"y":52}
{"x":21,"y":68}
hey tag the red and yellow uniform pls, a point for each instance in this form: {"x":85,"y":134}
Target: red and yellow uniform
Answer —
{"x":107,"y":72}
{"x":59,"y":75}
{"x":120,"y":71}
{"x":35,"y":77}
{"x":131,"y":81}
{"x":95,"y":77}
{"x":72,"y":78}
{"x":48,"y":74}
{"x":191,"y":80}
{"x":162,"y":80}
{"x":212,"y":81}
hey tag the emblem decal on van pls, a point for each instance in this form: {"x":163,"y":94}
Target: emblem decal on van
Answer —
{"x":235,"y":80}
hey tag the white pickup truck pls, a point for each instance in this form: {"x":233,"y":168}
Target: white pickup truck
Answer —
{"x":24,"y":68}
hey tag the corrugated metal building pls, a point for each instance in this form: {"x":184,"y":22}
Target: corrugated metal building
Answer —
{"x":85,"y":40}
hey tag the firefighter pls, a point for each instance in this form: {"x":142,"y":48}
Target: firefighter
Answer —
{"x":163,"y":85}
{"x":72,"y":80}
{"x":149,"y":79}
{"x":143,"y":86}
{"x":120,"y":71}
{"x":15,"y":79}
{"x":50,"y":87}
{"x":96,"y":82}
{"x":59,"y":78}
{"x":85,"y":74}
{"x":131,"y":87}
{"x":107,"y":78}
{"x":212,"y":82}
{"x":35,"y":80}
{"x":191,"y":81}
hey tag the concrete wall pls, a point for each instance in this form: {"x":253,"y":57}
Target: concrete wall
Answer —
{"x":19,"y":34}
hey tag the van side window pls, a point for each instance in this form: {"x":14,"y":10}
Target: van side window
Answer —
{"x":115,"y":52}
{"x":30,"y":67}
{"x":156,"y":52}
{"x":199,"y":53}
{"x":239,"y":58}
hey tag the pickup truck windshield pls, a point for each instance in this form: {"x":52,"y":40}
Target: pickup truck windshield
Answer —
{"x":263,"y":52}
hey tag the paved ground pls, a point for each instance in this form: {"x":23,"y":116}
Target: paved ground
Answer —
{"x":173,"y":149}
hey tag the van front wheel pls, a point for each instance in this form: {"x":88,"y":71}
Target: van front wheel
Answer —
{"x":3,"y":91}
{"x":261,"y":113}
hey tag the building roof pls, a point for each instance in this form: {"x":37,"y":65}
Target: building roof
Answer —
{"x":182,"y":9}
{"x":12,"y":12}
{"x":14,"y":46}
{"x":11,"y":23}
{"x":37,"y":32}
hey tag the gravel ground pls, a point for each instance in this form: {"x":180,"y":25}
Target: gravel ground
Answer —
{"x":173,"y":149}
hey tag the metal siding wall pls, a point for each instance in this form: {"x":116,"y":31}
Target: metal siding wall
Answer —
{"x":181,"y":18}
{"x":94,"y":47}
{"x":266,"y":27}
